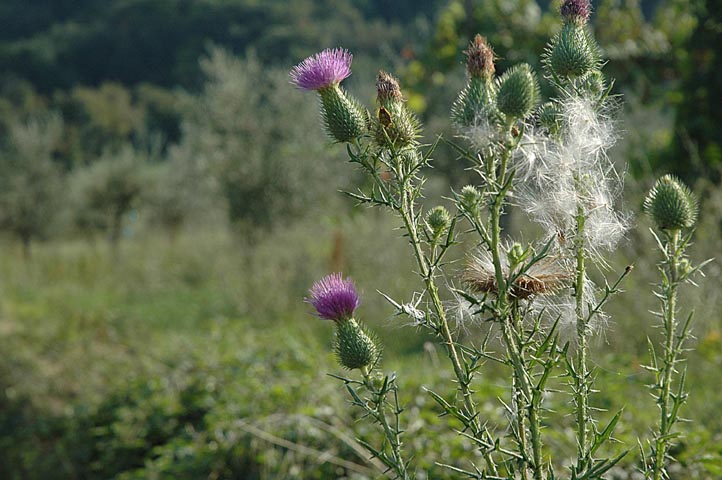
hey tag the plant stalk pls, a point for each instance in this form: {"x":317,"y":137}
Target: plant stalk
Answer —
{"x":526,"y":408}
{"x":581,"y":387}
{"x":406,"y":211}
{"x":670,"y":354}
{"x":393,"y":436}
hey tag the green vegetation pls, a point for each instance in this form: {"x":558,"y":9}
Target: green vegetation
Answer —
{"x":173,"y":363}
{"x":167,"y":199}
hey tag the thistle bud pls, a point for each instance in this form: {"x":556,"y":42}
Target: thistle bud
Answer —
{"x":475,"y":103}
{"x":516,"y":255}
{"x":387,"y":89}
{"x":354,"y":346}
{"x":438,"y":220}
{"x":671,"y":204}
{"x":572,"y":52}
{"x":470,"y":199}
{"x":550,"y":117}
{"x":343,"y":117}
{"x":594,"y":83}
{"x":518,"y":92}
{"x":396,"y":126}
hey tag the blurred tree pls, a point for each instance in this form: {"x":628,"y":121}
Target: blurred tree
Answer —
{"x":30,"y":182}
{"x":256,"y":141}
{"x":172,"y":196}
{"x":696,"y":150}
{"x":162,"y":111}
{"x":99,"y":119}
{"x":108,"y":190}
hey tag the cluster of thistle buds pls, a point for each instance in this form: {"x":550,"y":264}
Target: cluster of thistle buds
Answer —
{"x":553,"y":160}
{"x":345,"y":120}
{"x":336,"y":299}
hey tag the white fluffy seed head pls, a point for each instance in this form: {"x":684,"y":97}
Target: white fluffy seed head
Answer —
{"x":482,"y":133}
{"x":559,"y":175}
{"x":562,"y":307}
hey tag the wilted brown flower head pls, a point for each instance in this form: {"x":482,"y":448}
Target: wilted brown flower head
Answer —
{"x":547,"y":276}
{"x":387,"y":88}
{"x":480,"y":58}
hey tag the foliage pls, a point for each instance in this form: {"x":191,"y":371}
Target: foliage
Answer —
{"x":247,"y":137}
{"x":150,"y":362}
{"x":30,"y":181}
{"x":57,"y":45}
{"x":696,"y":132}
{"x":107,"y":191}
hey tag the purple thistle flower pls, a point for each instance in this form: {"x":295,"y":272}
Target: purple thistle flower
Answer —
{"x":322,"y":70}
{"x":576,"y":10}
{"x":334,"y":298}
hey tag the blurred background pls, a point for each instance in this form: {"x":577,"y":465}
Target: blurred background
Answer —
{"x":167,"y":198}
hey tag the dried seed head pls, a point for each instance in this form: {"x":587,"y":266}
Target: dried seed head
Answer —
{"x":387,"y":88}
{"x":480,"y":58}
{"x":396,"y":126}
{"x":547,"y":276}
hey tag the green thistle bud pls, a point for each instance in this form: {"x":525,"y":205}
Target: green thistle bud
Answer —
{"x":671,"y":204}
{"x":438,"y":220}
{"x":594,"y":83}
{"x":470,"y":199}
{"x":572,"y":52}
{"x":343,"y":116}
{"x":396,"y":126}
{"x":518,"y":92}
{"x":474,"y":103}
{"x":550,"y":117}
{"x":354,"y":346}
{"x":516,"y":254}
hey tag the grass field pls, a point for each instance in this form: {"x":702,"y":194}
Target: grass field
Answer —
{"x":197,"y":358}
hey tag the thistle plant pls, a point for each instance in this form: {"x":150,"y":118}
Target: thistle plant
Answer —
{"x":356,"y":348}
{"x":673,"y":210}
{"x":550,"y":160}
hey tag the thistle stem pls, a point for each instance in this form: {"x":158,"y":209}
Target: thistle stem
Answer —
{"x":513,"y":335}
{"x":406,"y":211}
{"x":581,"y":384}
{"x":670,"y":353}
{"x":393,"y":436}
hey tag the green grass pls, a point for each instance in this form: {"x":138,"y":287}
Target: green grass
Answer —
{"x":198,"y":359}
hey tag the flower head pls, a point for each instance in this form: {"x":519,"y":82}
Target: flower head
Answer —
{"x":388,"y":88}
{"x":480,"y":58}
{"x":543,"y":277}
{"x":322,"y":70}
{"x":334,"y":298}
{"x":576,"y":10}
